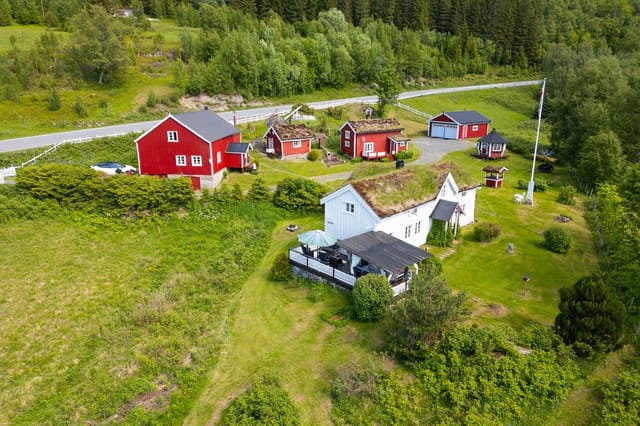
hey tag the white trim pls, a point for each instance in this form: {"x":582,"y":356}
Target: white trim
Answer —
{"x":181,"y":160}
{"x":196,"y":160}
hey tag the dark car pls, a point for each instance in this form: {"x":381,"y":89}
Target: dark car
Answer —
{"x":545,"y":168}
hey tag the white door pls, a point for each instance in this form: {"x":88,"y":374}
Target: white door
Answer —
{"x":437,"y":130}
{"x":451,"y":131}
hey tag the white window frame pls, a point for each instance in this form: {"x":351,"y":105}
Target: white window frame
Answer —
{"x":172,"y":136}
{"x":347,"y":143}
{"x":181,"y":160}
{"x":407,"y":231}
{"x":347,"y":134}
{"x":417,"y":227}
{"x":496,"y":147}
{"x":367,"y":147}
{"x":474,"y":128}
{"x":349,"y":207}
{"x":196,"y":161}
{"x":297,"y":143}
{"x":218,"y":157}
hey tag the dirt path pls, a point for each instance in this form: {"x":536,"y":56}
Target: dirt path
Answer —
{"x":273,"y":332}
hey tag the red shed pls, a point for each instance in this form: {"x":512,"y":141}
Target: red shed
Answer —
{"x":371,"y":139}
{"x":459,"y":125}
{"x":492,"y":145}
{"x":288,"y":140}
{"x":237,"y":156}
{"x":191,"y":144}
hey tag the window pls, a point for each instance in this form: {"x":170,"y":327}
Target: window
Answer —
{"x":401,"y":143}
{"x":347,"y":143}
{"x":350,"y":207}
{"x":474,"y":128}
{"x":368,"y":147}
{"x":218,"y":157}
{"x":496,"y":147}
{"x":417,"y":228}
{"x":407,"y":231}
{"x":181,"y":160}
{"x":443,"y":192}
{"x":297,"y":143}
{"x":172,"y":136}
{"x":196,"y":160}
{"x":347,"y":134}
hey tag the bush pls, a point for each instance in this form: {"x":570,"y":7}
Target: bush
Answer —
{"x":485,"y":231}
{"x":281,"y":268}
{"x":299,"y":194}
{"x":403,"y":155}
{"x":372,"y":295}
{"x":431,"y":265}
{"x":314,"y":155}
{"x":539,"y":185}
{"x":152,"y":99}
{"x":557,"y":240}
{"x":78,"y":108}
{"x":54,"y":100}
{"x":567,"y":194}
{"x":264,"y":403}
{"x":440,"y":234}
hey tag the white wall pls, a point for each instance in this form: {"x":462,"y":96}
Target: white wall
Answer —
{"x":342,"y":224}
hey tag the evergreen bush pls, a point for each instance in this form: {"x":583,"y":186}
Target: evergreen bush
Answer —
{"x":371,"y":294}
{"x":440,"y":234}
{"x":567,"y":194}
{"x":281,"y":268}
{"x":485,"y":231}
{"x":557,"y":240}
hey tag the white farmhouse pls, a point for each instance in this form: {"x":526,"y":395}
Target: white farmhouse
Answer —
{"x":403,"y":204}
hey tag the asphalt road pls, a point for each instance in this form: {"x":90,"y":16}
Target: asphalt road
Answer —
{"x":241,"y":116}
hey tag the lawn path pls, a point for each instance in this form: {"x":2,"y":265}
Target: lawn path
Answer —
{"x":275,"y":330}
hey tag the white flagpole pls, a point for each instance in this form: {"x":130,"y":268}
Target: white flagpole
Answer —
{"x":531,"y":186}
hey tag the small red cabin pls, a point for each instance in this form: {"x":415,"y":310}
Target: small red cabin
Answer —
{"x":492,"y":145}
{"x":493,"y":176}
{"x":191,"y":144}
{"x":459,"y":125}
{"x":288,"y":140}
{"x":372,"y":139}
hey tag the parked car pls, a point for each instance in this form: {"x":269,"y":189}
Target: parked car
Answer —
{"x":545,"y":168}
{"x":112,"y":168}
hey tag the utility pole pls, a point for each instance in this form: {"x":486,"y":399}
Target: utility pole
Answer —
{"x":531,"y":186}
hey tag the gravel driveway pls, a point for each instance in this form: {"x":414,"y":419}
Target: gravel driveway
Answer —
{"x":433,"y":149}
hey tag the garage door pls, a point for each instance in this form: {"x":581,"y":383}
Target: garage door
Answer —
{"x":445,"y":131}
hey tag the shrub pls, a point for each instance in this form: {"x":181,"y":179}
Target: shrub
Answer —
{"x":371,"y":294}
{"x":567,"y":194}
{"x":557,"y":240}
{"x":314,"y":155}
{"x":152,"y":99}
{"x":403,"y":155}
{"x":281,"y":268}
{"x":486,"y":231}
{"x":258,"y":191}
{"x":431,"y":265}
{"x":78,"y":108}
{"x":539,"y":185}
{"x":440,"y":234}
{"x":264,"y":403}
{"x":592,"y":317}
{"x":54,"y":100}
{"x":299,"y":194}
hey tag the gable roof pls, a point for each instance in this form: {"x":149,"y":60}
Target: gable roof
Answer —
{"x":494,"y":138}
{"x":444,"y":210}
{"x":401,"y":190}
{"x":384,"y":250}
{"x":206,"y":124}
{"x":376,"y":125}
{"x":237,"y":148}
{"x":292,"y":131}
{"x":465,"y":117}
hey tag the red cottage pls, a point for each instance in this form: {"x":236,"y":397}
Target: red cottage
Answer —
{"x":237,"y":156}
{"x":371,"y":139}
{"x":492,"y":146}
{"x":192,"y":144}
{"x":288,"y":140}
{"x":459,"y":125}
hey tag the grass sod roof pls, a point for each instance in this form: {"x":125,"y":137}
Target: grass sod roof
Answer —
{"x":391,"y":193}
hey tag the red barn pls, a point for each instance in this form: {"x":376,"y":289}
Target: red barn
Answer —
{"x":191,"y":144}
{"x":371,"y":139}
{"x":459,"y":125}
{"x":492,"y":145}
{"x":288,"y":140}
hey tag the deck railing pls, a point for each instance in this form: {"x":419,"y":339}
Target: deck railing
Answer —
{"x":335,"y":275}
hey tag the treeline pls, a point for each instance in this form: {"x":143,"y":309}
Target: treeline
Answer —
{"x":275,"y":48}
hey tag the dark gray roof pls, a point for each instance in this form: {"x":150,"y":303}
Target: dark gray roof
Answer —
{"x":493,"y":138}
{"x":207,"y":124}
{"x":444,"y":210}
{"x":237,"y":148}
{"x":468,"y":117}
{"x":383,"y":250}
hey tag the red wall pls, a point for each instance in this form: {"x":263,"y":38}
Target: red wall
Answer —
{"x":288,"y":149}
{"x":234,"y":161}
{"x":157,"y":156}
{"x":380,"y":142}
{"x":465,"y":131}
{"x":347,"y":150}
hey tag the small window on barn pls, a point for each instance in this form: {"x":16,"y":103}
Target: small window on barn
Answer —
{"x":474,"y":128}
{"x":181,"y":160}
{"x":350,"y":207}
{"x":297,"y":143}
{"x":218,"y":157}
{"x":172,"y":136}
{"x":196,"y":160}
{"x":347,"y":134}
{"x":368,"y":147}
